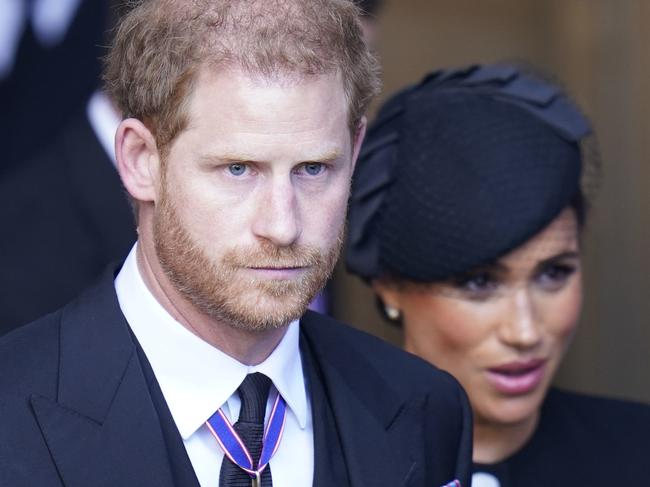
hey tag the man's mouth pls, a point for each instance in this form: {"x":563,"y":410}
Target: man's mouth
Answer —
{"x":277,"y":272}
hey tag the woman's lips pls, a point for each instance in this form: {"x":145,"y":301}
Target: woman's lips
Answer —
{"x":515,"y":378}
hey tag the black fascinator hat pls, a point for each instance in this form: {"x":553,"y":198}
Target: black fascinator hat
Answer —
{"x":461,"y":169}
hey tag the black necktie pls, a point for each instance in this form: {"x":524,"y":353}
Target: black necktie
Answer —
{"x":253,"y":392}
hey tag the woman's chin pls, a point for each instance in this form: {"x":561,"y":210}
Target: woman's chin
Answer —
{"x":508,"y":410}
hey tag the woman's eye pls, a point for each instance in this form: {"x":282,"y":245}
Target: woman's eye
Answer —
{"x":314,"y":168}
{"x":237,"y":169}
{"x":479,"y":282}
{"x":554,"y":276}
{"x":477,"y":286}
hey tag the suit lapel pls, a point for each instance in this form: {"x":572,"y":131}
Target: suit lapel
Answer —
{"x":329,"y":463}
{"x":102,"y":429}
{"x":366,"y":410}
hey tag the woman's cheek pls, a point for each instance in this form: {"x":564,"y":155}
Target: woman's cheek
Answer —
{"x":564,"y":313}
{"x":440,"y":328}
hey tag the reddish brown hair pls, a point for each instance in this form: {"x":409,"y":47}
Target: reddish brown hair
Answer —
{"x":160,"y":45}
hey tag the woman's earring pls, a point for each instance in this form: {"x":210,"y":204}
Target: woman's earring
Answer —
{"x":392,"y":312}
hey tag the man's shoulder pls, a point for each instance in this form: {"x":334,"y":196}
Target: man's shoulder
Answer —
{"x":404,"y":371}
{"x":32,"y":352}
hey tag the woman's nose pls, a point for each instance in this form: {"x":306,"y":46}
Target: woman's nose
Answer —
{"x":521,"y":327}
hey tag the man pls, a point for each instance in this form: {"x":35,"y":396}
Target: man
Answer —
{"x":197,"y":364}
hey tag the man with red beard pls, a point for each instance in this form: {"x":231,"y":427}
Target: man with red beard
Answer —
{"x":196,"y":363}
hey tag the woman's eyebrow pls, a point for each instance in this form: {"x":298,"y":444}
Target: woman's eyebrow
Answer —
{"x":569,"y":254}
{"x":497,"y":267}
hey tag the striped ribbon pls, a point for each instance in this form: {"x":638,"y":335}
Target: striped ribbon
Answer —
{"x":233,"y":446}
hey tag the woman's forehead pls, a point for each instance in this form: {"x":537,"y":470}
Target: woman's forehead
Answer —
{"x":561,"y":236}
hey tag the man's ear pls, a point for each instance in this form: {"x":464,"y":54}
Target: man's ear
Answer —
{"x":359,"y":135}
{"x":138,"y":160}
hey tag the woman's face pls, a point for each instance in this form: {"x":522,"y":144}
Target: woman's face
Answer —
{"x":503,"y":329}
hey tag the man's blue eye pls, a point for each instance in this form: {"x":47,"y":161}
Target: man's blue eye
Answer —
{"x":314,"y":168}
{"x":237,"y":169}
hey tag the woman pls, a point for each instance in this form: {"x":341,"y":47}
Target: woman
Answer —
{"x":466,"y":213}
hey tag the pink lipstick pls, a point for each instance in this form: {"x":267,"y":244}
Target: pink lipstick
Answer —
{"x":518,"y":377}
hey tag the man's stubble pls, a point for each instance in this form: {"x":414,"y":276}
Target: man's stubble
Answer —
{"x":218,"y":287}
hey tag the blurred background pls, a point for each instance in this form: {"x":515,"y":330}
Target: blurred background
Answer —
{"x":49,"y":63}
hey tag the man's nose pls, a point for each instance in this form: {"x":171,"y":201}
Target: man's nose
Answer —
{"x":277,"y":217}
{"x":521,"y":327}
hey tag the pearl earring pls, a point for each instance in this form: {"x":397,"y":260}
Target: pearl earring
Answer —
{"x":392,"y":313}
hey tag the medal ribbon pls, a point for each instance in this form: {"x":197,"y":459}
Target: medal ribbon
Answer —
{"x":233,"y":446}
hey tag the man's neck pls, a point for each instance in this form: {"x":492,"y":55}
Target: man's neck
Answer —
{"x":248,"y":347}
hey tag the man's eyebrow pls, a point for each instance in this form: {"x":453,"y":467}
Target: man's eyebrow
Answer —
{"x":327,"y":157}
{"x":235,"y":158}
{"x":231,"y":158}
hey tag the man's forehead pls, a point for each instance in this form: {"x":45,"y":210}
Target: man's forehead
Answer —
{"x":232,"y":83}
{"x":274,"y":76}
{"x":235,"y":105}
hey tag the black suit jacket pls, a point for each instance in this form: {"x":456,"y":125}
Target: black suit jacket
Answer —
{"x":76,"y":409}
{"x":64,"y":217}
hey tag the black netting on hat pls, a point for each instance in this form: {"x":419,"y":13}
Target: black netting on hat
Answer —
{"x":459,"y":170}
{"x":504,"y":177}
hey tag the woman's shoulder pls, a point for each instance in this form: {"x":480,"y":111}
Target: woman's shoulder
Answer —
{"x":581,"y":440}
{"x":608,"y":437}
{"x":594,"y":413}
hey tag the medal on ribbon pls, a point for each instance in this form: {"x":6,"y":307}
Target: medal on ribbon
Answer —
{"x":235,"y":449}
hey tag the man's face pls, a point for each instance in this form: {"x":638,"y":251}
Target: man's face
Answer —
{"x":253,"y":195}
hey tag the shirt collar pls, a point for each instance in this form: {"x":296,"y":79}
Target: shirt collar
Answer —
{"x":284,"y":368}
{"x":196,"y":378}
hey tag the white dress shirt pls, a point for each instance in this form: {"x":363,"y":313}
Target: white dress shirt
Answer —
{"x":196,"y":379}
